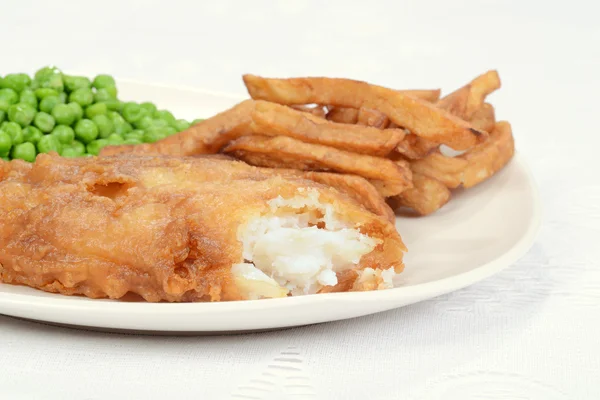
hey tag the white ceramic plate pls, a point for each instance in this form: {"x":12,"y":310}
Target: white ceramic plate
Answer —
{"x":480,"y":232}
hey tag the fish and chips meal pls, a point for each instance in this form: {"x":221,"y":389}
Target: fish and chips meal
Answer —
{"x":294,"y":191}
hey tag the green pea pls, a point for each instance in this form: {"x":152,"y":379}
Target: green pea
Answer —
{"x":114,"y":140}
{"x":49,"y":77}
{"x":73,"y":83}
{"x":4,"y":105}
{"x":113,"y":105}
{"x":24,"y":151}
{"x":153,"y":135}
{"x":16,"y":82}
{"x":9,"y":95}
{"x":97,"y":145}
{"x":105,"y":126}
{"x":5,"y":142}
{"x":169,"y":130}
{"x":77,"y":110}
{"x":70,"y":152}
{"x":77,"y":145}
{"x":15,"y":132}
{"x":45,"y":92}
{"x":63,"y":97}
{"x":197,"y":121}
{"x":144,"y":123}
{"x":159,"y":123}
{"x":86,"y":131}
{"x":115,"y":117}
{"x":2,"y":116}
{"x":164,"y":114}
{"x":83,"y":96}
{"x":32,"y":134}
{"x":5,"y":158}
{"x":65,"y":134}
{"x":181,"y":125}
{"x":48,"y":143}
{"x":148,"y":106}
{"x":103,"y":81}
{"x":28,"y":97}
{"x":132,"y":141}
{"x":44,"y":121}
{"x":22,"y":114}
{"x":63,"y":114}
{"x":96,"y":109}
{"x":123,"y":128}
{"x":135,"y":134}
{"x":104,"y":94}
{"x":132,"y":112}
{"x":48,"y":103}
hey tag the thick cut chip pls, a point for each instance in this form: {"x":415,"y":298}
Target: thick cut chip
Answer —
{"x":374,"y":118}
{"x":414,"y":147}
{"x":342,"y":115}
{"x":272,"y":119}
{"x":484,"y":118}
{"x":418,"y":116}
{"x":285,"y":152}
{"x":464,"y":102}
{"x":317,"y":111}
{"x":425,"y":197}
{"x":206,"y":137}
{"x":473,"y":166}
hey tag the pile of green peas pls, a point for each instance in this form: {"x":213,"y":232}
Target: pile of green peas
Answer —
{"x":74,"y":116}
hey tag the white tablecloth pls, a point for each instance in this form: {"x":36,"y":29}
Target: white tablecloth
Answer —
{"x":531,"y":332}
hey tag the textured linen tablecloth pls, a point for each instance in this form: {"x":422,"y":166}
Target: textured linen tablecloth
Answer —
{"x":530,"y":332}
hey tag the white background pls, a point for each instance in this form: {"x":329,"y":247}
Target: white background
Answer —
{"x":531,"y":332}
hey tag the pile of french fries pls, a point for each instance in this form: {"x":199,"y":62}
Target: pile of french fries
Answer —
{"x":396,"y":139}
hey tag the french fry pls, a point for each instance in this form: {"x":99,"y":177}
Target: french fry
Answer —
{"x":272,"y":119}
{"x":317,"y":111}
{"x":374,"y":118}
{"x":414,"y":147}
{"x":342,"y":115}
{"x":426,"y":196}
{"x":418,"y":116}
{"x":464,"y":102}
{"x":285,"y":152}
{"x":484,"y":118}
{"x":206,"y":137}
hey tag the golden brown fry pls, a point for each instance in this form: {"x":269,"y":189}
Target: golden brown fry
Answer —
{"x":374,"y":118}
{"x":420,"y":117}
{"x":474,"y":166}
{"x":285,"y":152}
{"x":317,"y":111}
{"x":342,"y":115}
{"x":414,"y":147}
{"x":464,"y":102}
{"x":484,"y":118}
{"x":430,"y":95}
{"x":272,"y":119}
{"x":426,"y":196}
{"x":206,"y":137}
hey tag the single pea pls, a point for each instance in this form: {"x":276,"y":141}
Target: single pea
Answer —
{"x":132,"y":141}
{"x":148,"y":106}
{"x":144,"y":123}
{"x":45,"y":92}
{"x":9,"y":95}
{"x":123,"y":128}
{"x":63,"y":97}
{"x":197,"y":121}
{"x":2,"y":116}
{"x":28,"y":97}
{"x":164,"y":114}
{"x":115,"y":117}
{"x":159,"y":123}
{"x":105,"y":126}
{"x":65,"y":134}
{"x":5,"y":142}
{"x":16,"y":82}
{"x":77,"y":109}
{"x":63,"y":114}
{"x":169,"y":130}
{"x":95,"y":146}
{"x":24,"y":151}
{"x":32,"y":134}
{"x":132,"y":112}
{"x":114,"y":140}
{"x":22,"y":114}
{"x":69,"y":152}
{"x":180,"y":125}
{"x":4,"y":105}
{"x":86,"y":131}
{"x":77,"y":145}
{"x":73,"y":83}
{"x":3,"y":124}
{"x":83,"y":96}
{"x":96,"y":109}
{"x":48,"y":143}
{"x":103,"y":81}
{"x":15,"y":132}
{"x":113,"y":105}
{"x":49,"y":77}
{"x":103,"y":94}
{"x":48,"y":103}
{"x":44,"y":121}
{"x":46,"y":71}
{"x":153,"y":135}
{"x":134,"y":134}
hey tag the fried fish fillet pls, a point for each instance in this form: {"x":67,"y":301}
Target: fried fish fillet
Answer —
{"x":389,"y":177}
{"x":185,"y":229}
